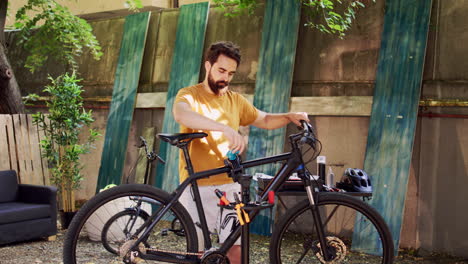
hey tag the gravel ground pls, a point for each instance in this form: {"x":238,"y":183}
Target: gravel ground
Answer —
{"x":50,"y":252}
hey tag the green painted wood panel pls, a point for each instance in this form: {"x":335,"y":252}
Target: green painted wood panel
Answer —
{"x":394,"y":110}
{"x":273,"y":84}
{"x":127,"y":76}
{"x":185,"y":71}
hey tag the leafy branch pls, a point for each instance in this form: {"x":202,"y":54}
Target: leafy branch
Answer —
{"x":53,"y":31}
{"x":62,"y":35}
{"x":328,"y":16}
{"x":133,"y":5}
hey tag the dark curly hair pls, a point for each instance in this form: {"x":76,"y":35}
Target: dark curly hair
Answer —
{"x":226,"y":48}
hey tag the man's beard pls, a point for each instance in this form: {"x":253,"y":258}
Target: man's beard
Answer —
{"x":215,"y":86}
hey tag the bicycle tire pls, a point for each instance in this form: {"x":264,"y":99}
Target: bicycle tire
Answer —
{"x":339,"y":214}
{"x":79,"y":248}
{"x":116,"y":231}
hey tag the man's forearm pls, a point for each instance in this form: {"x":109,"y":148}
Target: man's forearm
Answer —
{"x":274,"y":121}
{"x":196,"y":121}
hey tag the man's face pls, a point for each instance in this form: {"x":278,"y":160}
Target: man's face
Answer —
{"x":220,"y":74}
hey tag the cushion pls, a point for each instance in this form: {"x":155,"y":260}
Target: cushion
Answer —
{"x":17,"y":212}
{"x":26,"y":230}
{"x":8,"y":186}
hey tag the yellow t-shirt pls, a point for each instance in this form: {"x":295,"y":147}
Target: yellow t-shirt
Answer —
{"x":231,"y":109}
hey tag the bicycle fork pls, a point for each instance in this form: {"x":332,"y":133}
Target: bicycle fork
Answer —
{"x":318,"y":223}
{"x":307,"y":181}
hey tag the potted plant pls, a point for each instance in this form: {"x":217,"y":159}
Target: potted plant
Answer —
{"x":61,"y":145}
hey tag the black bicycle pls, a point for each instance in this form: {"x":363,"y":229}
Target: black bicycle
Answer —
{"x":320,"y":229}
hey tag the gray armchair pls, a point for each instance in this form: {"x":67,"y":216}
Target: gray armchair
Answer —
{"x":26,"y":211}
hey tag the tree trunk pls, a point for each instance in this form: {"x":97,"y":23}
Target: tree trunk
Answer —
{"x":10,"y":96}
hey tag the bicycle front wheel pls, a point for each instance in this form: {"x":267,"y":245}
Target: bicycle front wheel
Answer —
{"x":83,"y":239}
{"x":295,"y":238}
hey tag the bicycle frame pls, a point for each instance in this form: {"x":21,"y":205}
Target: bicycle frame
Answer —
{"x":293,"y":161}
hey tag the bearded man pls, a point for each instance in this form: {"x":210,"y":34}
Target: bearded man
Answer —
{"x":212,"y":108}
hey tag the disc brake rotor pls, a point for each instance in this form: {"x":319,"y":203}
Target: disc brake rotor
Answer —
{"x":339,"y":248}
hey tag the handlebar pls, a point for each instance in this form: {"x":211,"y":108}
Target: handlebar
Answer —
{"x":308,"y":134}
{"x":142,"y":142}
{"x":149,"y":155}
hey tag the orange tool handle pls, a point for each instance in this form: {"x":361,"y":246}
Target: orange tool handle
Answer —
{"x":222,"y":198}
{"x":242,"y":215}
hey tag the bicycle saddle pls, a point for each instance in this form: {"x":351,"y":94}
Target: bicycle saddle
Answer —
{"x":173,"y":139}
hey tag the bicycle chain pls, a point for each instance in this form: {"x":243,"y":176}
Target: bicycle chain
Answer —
{"x":133,"y":256}
{"x":175,"y":252}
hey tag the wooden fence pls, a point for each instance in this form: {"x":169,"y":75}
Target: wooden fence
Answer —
{"x":20,"y":149}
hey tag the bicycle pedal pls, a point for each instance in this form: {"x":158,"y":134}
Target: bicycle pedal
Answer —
{"x":164,"y":232}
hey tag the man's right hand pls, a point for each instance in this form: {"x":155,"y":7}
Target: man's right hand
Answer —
{"x":236,"y":141}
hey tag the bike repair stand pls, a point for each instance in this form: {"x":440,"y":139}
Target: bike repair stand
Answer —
{"x":243,"y":206}
{"x":244,"y":181}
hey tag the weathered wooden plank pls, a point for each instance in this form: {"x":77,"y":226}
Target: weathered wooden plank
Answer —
{"x":185,"y":70}
{"x":151,"y":100}
{"x":333,"y":105}
{"x":316,"y":105}
{"x":44,"y":162}
{"x":11,"y":143}
{"x":20,"y":148}
{"x":26,"y":175}
{"x":274,"y":81}
{"x":158,"y":100}
{"x":394,"y":110}
{"x":4,"y":152}
{"x":123,"y":99}
{"x":36,"y":163}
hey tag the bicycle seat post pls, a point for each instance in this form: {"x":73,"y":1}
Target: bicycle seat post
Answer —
{"x":188,"y":162}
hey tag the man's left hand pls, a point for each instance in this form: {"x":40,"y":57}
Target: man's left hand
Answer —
{"x":297,"y":117}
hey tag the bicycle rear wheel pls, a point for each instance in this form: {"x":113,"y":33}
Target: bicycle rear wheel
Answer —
{"x":295,"y":238}
{"x":121,"y":227}
{"x":83,"y":239}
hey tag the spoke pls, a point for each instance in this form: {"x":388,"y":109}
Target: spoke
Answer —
{"x":303,"y":255}
{"x":331,"y":215}
{"x":116,"y":225}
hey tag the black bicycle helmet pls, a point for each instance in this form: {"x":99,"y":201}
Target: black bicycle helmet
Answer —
{"x":355,"y":180}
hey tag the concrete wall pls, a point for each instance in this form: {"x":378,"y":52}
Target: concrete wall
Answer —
{"x":325,"y":65}
{"x":442,"y":152}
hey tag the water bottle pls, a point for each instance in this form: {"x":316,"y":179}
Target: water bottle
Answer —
{"x":321,"y":161}
{"x":330,"y":181}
